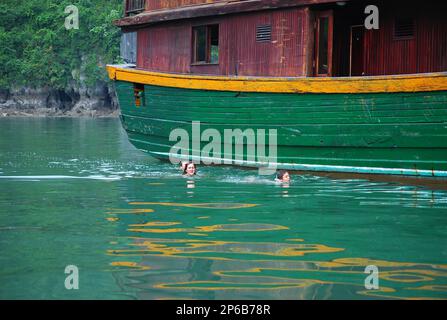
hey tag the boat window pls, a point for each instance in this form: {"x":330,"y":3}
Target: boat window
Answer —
{"x":214,"y":43}
{"x":206,"y":44}
{"x":128,"y":47}
{"x":138,"y":92}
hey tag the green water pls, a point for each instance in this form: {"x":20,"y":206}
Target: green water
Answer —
{"x":75,"y":192}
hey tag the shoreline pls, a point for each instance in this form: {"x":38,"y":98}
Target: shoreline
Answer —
{"x":57,"y":113}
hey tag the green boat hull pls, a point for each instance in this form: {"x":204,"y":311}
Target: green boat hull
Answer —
{"x":378,"y":133}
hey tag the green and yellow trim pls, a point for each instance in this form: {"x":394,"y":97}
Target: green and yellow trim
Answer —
{"x":377,"y":84}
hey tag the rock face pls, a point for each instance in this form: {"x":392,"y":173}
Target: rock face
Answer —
{"x":84,"y":101}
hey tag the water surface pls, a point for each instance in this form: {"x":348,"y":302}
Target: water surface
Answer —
{"x":75,"y":192}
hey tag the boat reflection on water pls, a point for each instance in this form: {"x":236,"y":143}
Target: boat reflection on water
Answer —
{"x":307,"y":240}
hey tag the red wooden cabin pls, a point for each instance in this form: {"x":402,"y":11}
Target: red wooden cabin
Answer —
{"x":287,"y":38}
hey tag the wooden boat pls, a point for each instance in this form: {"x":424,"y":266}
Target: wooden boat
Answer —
{"x":342,"y":98}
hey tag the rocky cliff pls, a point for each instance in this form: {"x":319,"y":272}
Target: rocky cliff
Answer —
{"x":73,"y":101}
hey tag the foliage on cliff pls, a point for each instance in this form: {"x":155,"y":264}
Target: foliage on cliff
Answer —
{"x":36,"y":50}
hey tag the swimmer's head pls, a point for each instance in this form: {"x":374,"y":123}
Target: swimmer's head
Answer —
{"x":283,"y":176}
{"x":189,"y":168}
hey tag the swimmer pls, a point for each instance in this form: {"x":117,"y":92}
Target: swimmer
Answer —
{"x":189,"y":169}
{"x":283,"y":176}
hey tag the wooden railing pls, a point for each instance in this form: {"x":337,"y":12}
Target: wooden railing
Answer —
{"x":134,"y":7}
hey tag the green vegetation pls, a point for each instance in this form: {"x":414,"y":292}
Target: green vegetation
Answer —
{"x":36,"y":50}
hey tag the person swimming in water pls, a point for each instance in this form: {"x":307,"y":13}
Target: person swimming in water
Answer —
{"x":283,"y":176}
{"x":189,"y":169}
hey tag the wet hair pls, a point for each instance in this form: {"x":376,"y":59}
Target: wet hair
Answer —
{"x":185,"y":167}
{"x":280,"y":174}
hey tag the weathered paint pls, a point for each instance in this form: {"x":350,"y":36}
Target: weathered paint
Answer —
{"x":378,"y":133}
{"x":426,"y":51}
{"x":399,"y":83}
{"x":172,"y":4}
{"x":380,"y":52}
{"x":171,"y":13}
{"x":167,"y":47}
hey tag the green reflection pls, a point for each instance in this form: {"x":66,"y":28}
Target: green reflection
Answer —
{"x":75,"y":192}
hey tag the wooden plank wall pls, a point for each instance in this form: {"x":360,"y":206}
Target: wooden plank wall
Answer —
{"x":426,"y":52}
{"x":171,"y":4}
{"x":167,"y":47}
